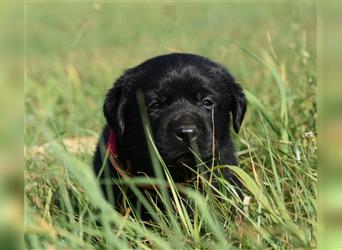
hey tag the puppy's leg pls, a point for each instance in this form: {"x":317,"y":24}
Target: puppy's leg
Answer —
{"x":226,"y":156}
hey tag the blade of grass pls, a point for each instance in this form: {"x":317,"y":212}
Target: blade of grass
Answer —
{"x":276,"y":75}
{"x":254,"y":101}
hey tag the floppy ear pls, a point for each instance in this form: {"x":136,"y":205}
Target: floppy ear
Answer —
{"x":239,"y":106}
{"x":115,"y":105}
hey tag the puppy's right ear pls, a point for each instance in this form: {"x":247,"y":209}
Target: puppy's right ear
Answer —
{"x":115,"y":105}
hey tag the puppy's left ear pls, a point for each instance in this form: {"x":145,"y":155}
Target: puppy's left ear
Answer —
{"x":239,"y":106}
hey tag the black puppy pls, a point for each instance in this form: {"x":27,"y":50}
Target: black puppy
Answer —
{"x":188,"y":98}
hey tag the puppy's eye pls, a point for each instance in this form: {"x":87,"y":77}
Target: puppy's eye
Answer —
{"x":207,"y":103}
{"x":154,"y":106}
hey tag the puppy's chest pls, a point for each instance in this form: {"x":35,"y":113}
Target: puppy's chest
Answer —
{"x":182,"y":175}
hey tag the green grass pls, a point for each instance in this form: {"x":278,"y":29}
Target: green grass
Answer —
{"x":75,"y":51}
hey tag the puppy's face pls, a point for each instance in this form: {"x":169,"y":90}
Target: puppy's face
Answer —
{"x":182,"y":112}
{"x":188,"y":101}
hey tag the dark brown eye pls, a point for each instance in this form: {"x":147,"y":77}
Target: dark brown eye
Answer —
{"x":207,"y":103}
{"x":154,"y":106}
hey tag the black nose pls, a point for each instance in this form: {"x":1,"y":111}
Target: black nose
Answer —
{"x":185,"y":133}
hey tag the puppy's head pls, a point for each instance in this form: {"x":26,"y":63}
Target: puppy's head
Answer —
{"x":188,"y":101}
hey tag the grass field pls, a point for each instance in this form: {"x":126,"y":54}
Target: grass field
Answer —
{"x":75,"y":51}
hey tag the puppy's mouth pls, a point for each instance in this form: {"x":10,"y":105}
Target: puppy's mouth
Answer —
{"x":185,"y":158}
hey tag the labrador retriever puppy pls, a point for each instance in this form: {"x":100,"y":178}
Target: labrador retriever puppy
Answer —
{"x":188,"y":99}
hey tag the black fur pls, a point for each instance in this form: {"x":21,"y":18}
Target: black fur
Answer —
{"x":181,"y":91}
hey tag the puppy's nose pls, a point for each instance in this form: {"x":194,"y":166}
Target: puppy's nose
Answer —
{"x":185,"y":133}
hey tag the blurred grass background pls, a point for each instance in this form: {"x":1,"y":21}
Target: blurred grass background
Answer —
{"x":330,"y":125}
{"x":11,"y":126}
{"x":81,"y":48}
{"x":76,"y":50}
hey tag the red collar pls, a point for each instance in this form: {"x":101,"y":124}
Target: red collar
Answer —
{"x":112,"y":145}
{"x":113,"y":152}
